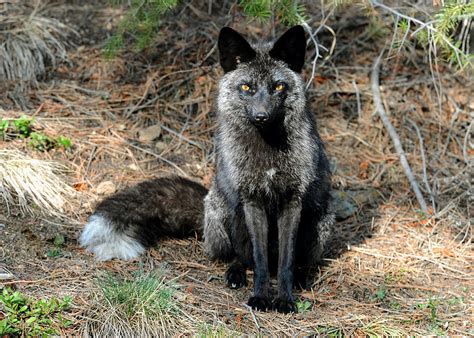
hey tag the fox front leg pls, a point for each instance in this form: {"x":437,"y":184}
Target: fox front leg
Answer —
{"x":257,"y":224}
{"x":288,"y":223}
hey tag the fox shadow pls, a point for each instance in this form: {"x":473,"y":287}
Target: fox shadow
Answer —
{"x":355,"y":211}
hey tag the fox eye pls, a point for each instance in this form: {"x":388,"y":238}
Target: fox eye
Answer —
{"x":245,"y":87}
{"x":280,"y":86}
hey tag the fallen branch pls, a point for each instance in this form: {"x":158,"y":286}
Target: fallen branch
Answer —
{"x":392,"y":132}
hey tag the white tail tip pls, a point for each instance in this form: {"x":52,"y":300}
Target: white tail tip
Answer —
{"x":102,"y":239}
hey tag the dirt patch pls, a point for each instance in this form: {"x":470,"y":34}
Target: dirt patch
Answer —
{"x":393,"y":271}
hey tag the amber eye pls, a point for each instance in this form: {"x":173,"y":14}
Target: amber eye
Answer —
{"x":245,"y":87}
{"x":279,"y":87}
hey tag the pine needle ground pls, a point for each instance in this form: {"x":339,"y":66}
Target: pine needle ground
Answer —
{"x":393,"y":270}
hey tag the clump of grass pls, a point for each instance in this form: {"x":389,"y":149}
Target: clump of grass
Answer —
{"x":29,"y":42}
{"x":33,"y":184}
{"x":380,"y":329}
{"x":25,"y":316}
{"x":144,"y":305}
{"x":59,"y":241}
{"x":206,"y":330}
{"x":146,"y":293}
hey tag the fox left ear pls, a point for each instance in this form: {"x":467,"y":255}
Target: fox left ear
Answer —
{"x":290,"y":48}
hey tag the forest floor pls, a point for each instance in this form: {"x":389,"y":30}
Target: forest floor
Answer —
{"x":393,"y":269}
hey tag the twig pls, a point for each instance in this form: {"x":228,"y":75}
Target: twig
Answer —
{"x":393,"y":134}
{"x":253,"y":315}
{"x":317,"y":46}
{"x":89,"y":162}
{"x":423,"y":160}
{"x":181,"y":136}
{"x":466,"y":140}
{"x":359,"y":106}
{"x":420,"y":258}
{"x":429,"y":27}
{"x":151,"y":153}
{"x":158,"y":157}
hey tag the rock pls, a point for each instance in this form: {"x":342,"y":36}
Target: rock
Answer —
{"x":106,"y":188}
{"x":346,"y":203}
{"x":161,"y":146}
{"x":342,"y":204}
{"x":149,"y":134}
{"x":133,"y":167}
{"x":6,"y":276}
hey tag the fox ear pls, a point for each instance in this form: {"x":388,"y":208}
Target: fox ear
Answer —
{"x":233,"y":49}
{"x":290,"y":48}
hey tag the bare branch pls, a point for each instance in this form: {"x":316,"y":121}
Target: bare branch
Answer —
{"x":423,"y":159}
{"x":392,"y":132}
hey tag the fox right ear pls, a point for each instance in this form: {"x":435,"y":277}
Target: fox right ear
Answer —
{"x":233,"y":49}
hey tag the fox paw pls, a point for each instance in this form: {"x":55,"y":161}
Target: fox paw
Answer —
{"x":259,"y":303}
{"x":235,"y":277}
{"x":284,"y":306}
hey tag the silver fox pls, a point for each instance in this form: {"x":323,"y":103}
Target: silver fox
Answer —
{"x":268,"y":206}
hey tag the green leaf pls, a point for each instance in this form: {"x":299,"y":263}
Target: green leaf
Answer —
{"x":59,"y":240}
{"x":30,"y":320}
{"x":64,"y":142}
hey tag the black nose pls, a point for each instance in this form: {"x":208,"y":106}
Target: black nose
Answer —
{"x":261,"y":117}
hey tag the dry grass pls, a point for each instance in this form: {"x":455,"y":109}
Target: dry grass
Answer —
{"x":392,"y":271}
{"x":29,"y":42}
{"x":34,"y":185}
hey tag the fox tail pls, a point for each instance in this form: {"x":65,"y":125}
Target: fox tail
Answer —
{"x":126,"y":223}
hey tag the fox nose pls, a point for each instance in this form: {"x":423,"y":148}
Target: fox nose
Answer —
{"x":261,"y":117}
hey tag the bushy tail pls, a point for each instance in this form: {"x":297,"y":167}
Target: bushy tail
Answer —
{"x":124,"y":224}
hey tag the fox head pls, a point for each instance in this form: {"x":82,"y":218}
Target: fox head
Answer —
{"x":261,"y":84}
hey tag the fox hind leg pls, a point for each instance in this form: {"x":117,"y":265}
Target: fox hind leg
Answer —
{"x":217,"y":216}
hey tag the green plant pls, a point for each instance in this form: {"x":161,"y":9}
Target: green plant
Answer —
{"x":64,"y":142}
{"x":142,"y":304}
{"x":58,"y":241}
{"x":207,"y":330}
{"x":432,"y":305}
{"x":303,"y":305}
{"x":288,"y":12}
{"x":23,"y":125}
{"x":146,"y":293}
{"x":259,"y":9}
{"x":140,"y":24}
{"x":437,"y":31}
{"x":3,"y":128}
{"x":329,"y":331}
{"x":380,"y":294}
{"x":435,"y":28}
{"x":41,"y":142}
{"x":435,"y":323}
{"x":25,"y":316}
{"x":53,"y":253}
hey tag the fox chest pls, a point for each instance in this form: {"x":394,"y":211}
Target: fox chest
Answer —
{"x":270,"y":174}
